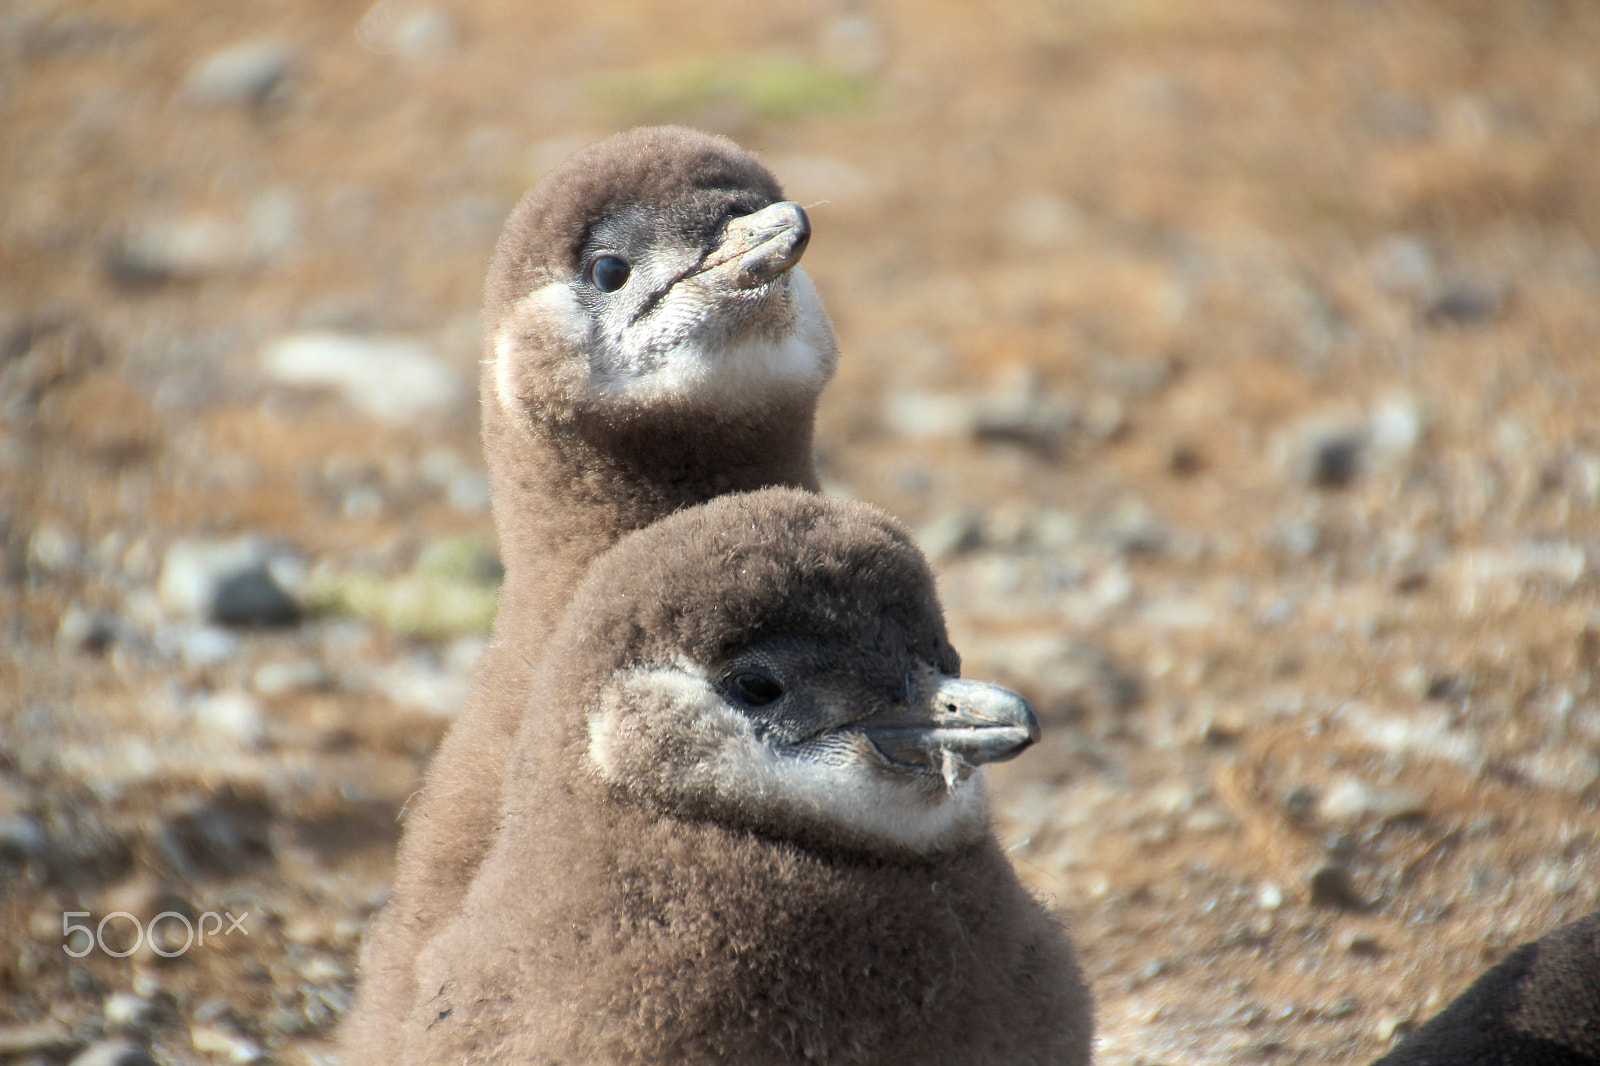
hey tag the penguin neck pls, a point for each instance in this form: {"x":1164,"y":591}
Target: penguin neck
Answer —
{"x":565,"y":488}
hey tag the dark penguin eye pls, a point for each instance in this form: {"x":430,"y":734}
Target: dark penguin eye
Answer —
{"x":756,"y":689}
{"x":609,"y":273}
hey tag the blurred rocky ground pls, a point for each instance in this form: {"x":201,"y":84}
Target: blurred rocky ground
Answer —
{"x":1235,"y":362}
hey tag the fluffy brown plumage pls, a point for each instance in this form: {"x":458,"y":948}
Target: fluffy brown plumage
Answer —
{"x":605,"y":406}
{"x":1540,"y":1006}
{"x":667,"y":888}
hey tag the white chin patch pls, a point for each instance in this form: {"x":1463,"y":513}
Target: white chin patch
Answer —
{"x":665,"y":732}
{"x":699,"y":344}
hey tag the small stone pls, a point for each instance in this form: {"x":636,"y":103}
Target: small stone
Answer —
{"x":230,"y":582}
{"x":1394,"y":1027}
{"x":233,"y":714}
{"x":157,"y":251}
{"x":1366,"y":945}
{"x":53,"y":550}
{"x":201,"y":645}
{"x":85,"y":630}
{"x":214,"y":1040}
{"x":1352,"y":800}
{"x":275,"y":679}
{"x":1018,"y":413}
{"x":1269,"y":897}
{"x":1395,"y":428}
{"x":242,"y":74}
{"x":34,"y":1038}
{"x":1464,"y":305}
{"x":321,"y":970}
{"x":112,"y":1053}
{"x":1331,"y":458}
{"x":1403,"y":265}
{"x":21,"y":837}
{"x":252,"y":597}
{"x":951,"y":533}
{"x":1332,"y":886}
{"x":124,"y":1010}
{"x":391,"y":378}
{"x":928,"y":414}
{"x":854,"y":42}
{"x":1040,"y":220}
{"x":469,"y":492}
{"x":1570,"y":770}
{"x":411,"y":30}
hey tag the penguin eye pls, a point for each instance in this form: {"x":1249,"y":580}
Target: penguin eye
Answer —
{"x":756,"y":689}
{"x":608,"y":273}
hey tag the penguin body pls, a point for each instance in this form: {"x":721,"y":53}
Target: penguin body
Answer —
{"x":649,"y":343}
{"x":1540,"y":1006}
{"x":745,"y":823}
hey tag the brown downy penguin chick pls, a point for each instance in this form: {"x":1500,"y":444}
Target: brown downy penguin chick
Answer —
{"x":1540,"y":1006}
{"x":745,"y":823}
{"x":650,"y":343}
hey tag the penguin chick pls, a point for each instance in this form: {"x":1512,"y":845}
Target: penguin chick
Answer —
{"x":1539,"y":1006}
{"x":650,"y":343}
{"x":730,"y":831}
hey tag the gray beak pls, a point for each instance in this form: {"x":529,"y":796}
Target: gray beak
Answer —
{"x":977,"y":722}
{"x":760,"y":246}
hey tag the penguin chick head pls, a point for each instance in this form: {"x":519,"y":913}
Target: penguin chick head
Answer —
{"x":777,"y":661}
{"x":654,"y":268}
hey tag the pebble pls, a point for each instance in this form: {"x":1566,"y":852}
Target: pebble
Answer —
{"x":928,"y":414}
{"x":252,"y":597}
{"x":1403,"y":265}
{"x":951,"y":533}
{"x":186,"y":248}
{"x":1352,"y":800}
{"x":1395,"y":427}
{"x":200,"y":646}
{"x":1394,"y":1026}
{"x":53,"y":550}
{"x":275,"y":679}
{"x":1040,"y":220}
{"x":1364,"y":944}
{"x":387,"y":377}
{"x":245,"y":74}
{"x":84,"y":630}
{"x":230,"y":582}
{"x":1570,"y":770}
{"x":1329,"y":457}
{"x":1332,"y":886}
{"x":855,"y":42}
{"x":1017,"y":410}
{"x":123,"y":1010}
{"x":1465,"y":305}
{"x":21,"y":837}
{"x":469,"y":493}
{"x":214,"y":1040}
{"x":112,"y":1053}
{"x":1557,"y":564}
{"x":233,"y":714}
{"x":34,"y":1038}
{"x":414,"y":31}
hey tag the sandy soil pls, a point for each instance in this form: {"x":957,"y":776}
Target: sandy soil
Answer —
{"x":1236,"y":362}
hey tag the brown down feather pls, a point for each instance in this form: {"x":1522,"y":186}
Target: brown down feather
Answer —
{"x":567,"y":478}
{"x":608,"y":928}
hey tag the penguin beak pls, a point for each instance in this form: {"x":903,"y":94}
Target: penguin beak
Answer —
{"x":969,"y":720}
{"x":760,"y":246}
